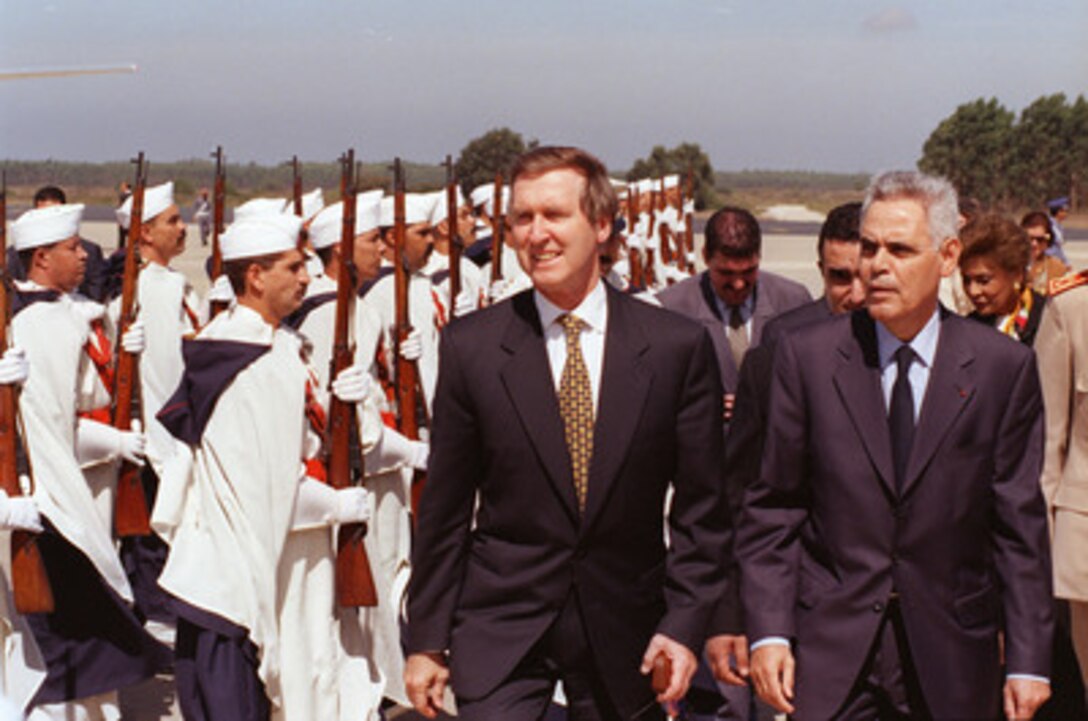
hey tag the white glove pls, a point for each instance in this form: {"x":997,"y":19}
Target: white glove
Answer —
{"x":20,"y":513}
{"x":420,"y":452}
{"x":134,"y":340}
{"x":221,"y":290}
{"x":651,"y":243}
{"x":132,"y":444}
{"x":498,"y":290}
{"x":411,"y":348}
{"x":14,"y":367}
{"x":352,"y":384}
{"x":352,"y":505}
{"x":464,"y":304}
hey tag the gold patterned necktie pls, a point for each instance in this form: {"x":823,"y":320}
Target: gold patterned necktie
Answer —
{"x":576,"y":408}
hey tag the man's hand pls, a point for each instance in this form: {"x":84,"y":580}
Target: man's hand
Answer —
{"x":1023,"y":697}
{"x":728,"y":401}
{"x":425,"y":678}
{"x":728,"y":657}
{"x":683,"y":667}
{"x":772,"y":675}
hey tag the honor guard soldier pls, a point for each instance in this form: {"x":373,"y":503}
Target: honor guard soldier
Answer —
{"x":168,"y":309}
{"x":251,"y":483}
{"x":92,"y":643}
{"x":437,"y":267}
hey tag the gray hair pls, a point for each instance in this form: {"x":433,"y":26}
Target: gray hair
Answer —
{"x":935,"y":194}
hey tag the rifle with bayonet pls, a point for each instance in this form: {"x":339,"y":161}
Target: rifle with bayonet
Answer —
{"x":664,"y":232}
{"x":498,"y":223}
{"x":456,"y":243}
{"x":29,"y":581}
{"x":354,"y":580}
{"x":219,"y":196}
{"x":409,"y":397}
{"x":131,"y":516}
{"x":648,"y":270}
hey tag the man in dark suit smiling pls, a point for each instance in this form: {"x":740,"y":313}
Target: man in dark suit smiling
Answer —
{"x":561,"y":418}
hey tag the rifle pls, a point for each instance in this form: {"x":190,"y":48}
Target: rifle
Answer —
{"x":497,"y":227}
{"x":130,"y":517}
{"x":296,"y":185}
{"x":663,"y":230}
{"x":220,"y":198}
{"x":633,"y":255}
{"x":456,"y":243}
{"x":406,"y":372}
{"x":354,"y":581}
{"x":648,"y":267}
{"x":29,"y":581}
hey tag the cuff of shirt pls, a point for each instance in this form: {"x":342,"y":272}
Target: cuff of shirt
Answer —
{"x":770,"y":641}
{"x":1026,"y":677}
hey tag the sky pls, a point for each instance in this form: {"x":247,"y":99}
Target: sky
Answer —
{"x":822,"y":85}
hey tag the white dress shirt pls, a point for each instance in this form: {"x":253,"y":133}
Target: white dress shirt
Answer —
{"x":593,"y":311}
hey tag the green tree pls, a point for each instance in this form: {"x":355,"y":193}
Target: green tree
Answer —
{"x":1077,"y":149}
{"x":971,"y":149}
{"x":679,"y":160}
{"x":492,"y":152}
{"x":1040,"y":148}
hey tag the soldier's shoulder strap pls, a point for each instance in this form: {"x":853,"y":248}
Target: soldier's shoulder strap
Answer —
{"x":1067,"y":282}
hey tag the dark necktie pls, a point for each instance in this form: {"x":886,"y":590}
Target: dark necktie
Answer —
{"x":576,"y":408}
{"x":901,"y":415}
{"x":738,"y":335}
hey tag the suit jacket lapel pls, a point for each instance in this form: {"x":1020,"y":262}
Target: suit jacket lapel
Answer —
{"x":948,"y":392}
{"x":527,"y":378}
{"x":858,"y":381}
{"x":711,"y":318}
{"x":762,"y":312}
{"x":625,"y":382}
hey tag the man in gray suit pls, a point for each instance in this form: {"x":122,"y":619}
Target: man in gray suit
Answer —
{"x":732,"y":297}
{"x":893,"y":549}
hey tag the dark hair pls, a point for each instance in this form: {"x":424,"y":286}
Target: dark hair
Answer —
{"x":842,"y":223}
{"x":733,"y":232}
{"x":49,"y":193}
{"x":26,"y":259}
{"x":599,"y":197}
{"x":995,"y":237}
{"x":325,"y":254}
{"x":236,"y":269}
{"x":1035,"y":218}
{"x":970,"y":208}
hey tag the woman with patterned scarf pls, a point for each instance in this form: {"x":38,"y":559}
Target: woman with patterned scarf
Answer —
{"x":994,"y":262}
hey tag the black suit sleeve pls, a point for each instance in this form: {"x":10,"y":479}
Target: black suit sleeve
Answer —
{"x":445,"y":509}
{"x":1020,"y":536}
{"x":700,"y":529}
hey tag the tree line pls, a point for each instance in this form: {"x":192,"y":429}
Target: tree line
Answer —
{"x":1011,"y":161}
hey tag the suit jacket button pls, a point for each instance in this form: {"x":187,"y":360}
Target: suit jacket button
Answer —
{"x":878,"y":607}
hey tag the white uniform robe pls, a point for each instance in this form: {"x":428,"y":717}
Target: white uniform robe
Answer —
{"x":421,"y":315}
{"x":230,"y":525}
{"x":163,"y":295}
{"x":53,"y":335}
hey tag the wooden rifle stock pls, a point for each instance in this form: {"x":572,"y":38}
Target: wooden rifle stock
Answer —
{"x":220,"y":197}
{"x":497,"y":228}
{"x":29,"y":581}
{"x":407,"y":374}
{"x":296,"y":185}
{"x":456,"y":243}
{"x":130,"y":515}
{"x":354,"y":580}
